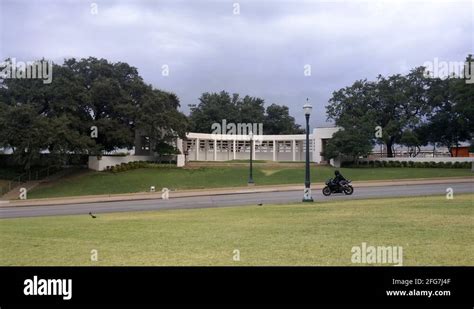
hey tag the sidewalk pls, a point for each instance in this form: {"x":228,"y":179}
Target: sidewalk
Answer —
{"x":222,"y":191}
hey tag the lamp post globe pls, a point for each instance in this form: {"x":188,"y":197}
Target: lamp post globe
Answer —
{"x":307,"y":182}
{"x":307,"y":109}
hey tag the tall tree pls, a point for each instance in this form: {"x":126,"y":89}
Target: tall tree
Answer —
{"x":159,"y":120}
{"x":213,"y":108}
{"x":350,"y":144}
{"x":278,"y":121}
{"x":451,"y":120}
{"x":25,"y":132}
{"x":251,"y":110}
{"x":392,"y":103}
{"x":85,"y":94}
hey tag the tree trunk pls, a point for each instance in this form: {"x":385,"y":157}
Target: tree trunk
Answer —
{"x":389,"y":149}
{"x":417,"y":150}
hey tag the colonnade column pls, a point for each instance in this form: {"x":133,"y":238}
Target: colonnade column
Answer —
{"x":234,"y":148}
{"x":293,"y":149}
{"x":197,"y":148}
{"x":275,"y":150}
{"x":215,"y":150}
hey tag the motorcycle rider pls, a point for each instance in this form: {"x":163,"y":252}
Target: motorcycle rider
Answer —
{"x":338,"y":184}
{"x":338,"y":178}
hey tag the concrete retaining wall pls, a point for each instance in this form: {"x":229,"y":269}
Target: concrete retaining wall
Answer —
{"x":100,"y":165}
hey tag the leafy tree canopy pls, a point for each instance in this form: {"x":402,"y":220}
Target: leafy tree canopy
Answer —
{"x":215,"y":107}
{"x":85,"y":93}
{"x":411,"y":110}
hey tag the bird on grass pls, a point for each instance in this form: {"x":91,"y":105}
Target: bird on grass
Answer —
{"x":93,"y":217}
{"x":260,"y":204}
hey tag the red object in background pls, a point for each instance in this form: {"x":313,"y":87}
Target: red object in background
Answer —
{"x":460,"y":151}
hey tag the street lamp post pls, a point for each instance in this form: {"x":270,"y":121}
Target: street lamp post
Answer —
{"x":307,"y":182}
{"x":250,"y":182}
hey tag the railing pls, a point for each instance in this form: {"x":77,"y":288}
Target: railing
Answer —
{"x":406,"y":154}
{"x":29,"y":176}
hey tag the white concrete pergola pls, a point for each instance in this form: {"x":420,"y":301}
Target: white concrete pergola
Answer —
{"x":224,"y":147}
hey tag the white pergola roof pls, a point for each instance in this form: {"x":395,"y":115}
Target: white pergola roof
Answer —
{"x":237,"y":137}
{"x":317,"y":133}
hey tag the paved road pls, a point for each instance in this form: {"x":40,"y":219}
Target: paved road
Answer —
{"x":250,"y":199}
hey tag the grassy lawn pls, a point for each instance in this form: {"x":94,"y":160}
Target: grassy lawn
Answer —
{"x":431,"y":230}
{"x":140,"y":180}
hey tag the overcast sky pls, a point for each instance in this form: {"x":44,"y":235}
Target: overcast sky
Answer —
{"x":261,"y":52}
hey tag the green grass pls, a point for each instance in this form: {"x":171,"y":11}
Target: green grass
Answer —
{"x":431,"y":230}
{"x":140,"y":180}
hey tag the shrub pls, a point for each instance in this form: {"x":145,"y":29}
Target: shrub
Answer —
{"x":411,"y":164}
{"x":122,"y":167}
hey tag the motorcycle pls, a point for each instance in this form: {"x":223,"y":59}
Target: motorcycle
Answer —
{"x":343,"y":187}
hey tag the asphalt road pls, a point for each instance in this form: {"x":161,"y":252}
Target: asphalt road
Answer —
{"x":250,"y":199}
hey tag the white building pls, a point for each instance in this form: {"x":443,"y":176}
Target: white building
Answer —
{"x":225,"y":147}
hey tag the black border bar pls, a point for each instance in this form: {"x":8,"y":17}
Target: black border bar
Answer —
{"x":241,"y":285}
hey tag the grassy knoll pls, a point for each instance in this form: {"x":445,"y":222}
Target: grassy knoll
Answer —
{"x":140,"y":180}
{"x":431,"y":230}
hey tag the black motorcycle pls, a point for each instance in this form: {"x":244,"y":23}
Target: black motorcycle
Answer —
{"x":342,"y":187}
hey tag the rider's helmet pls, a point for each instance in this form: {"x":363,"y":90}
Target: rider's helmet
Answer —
{"x":336,"y":172}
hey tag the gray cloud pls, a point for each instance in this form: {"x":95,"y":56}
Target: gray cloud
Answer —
{"x":261,"y":52}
